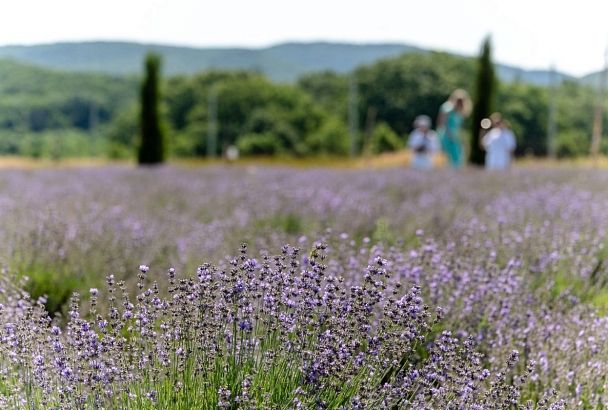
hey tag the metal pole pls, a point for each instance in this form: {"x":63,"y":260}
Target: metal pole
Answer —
{"x":212,"y":122}
{"x":551,"y":126}
{"x":596,"y":137}
{"x":353,"y":114}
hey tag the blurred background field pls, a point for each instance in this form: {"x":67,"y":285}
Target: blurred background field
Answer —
{"x":89,"y":112}
{"x":66,"y":226}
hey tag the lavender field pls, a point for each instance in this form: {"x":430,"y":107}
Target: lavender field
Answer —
{"x":281,"y":288}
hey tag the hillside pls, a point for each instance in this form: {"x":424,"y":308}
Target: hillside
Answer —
{"x":536,"y":77}
{"x":48,"y":112}
{"x":592,"y":79}
{"x":283,"y":62}
{"x":36,"y":99}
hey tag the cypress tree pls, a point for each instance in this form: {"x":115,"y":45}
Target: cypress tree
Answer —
{"x":485,"y":92}
{"x":152,"y":138}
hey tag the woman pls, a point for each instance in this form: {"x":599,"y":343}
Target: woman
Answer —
{"x":451,"y":116}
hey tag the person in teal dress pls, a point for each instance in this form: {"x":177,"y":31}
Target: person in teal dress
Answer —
{"x":451,"y":116}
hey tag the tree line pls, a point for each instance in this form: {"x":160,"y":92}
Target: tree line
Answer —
{"x":59,"y":114}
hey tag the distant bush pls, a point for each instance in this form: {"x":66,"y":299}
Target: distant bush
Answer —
{"x":122,"y":133}
{"x":259,"y":144}
{"x":272,"y":121}
{"x":55,"y":144}
{"x":188,"y":144}
{"x":572,"y":143}
{"x":384,"y":139}
{"x":55,"y":287}
{"x":332,"y":138}
{"x":247,"y":103}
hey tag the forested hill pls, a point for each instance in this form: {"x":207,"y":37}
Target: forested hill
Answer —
{"x":283,"y":62}
{"x":36,"y":101}
{"x":57,"y":113}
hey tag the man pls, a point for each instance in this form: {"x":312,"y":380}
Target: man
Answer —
{"x":499,"y":144}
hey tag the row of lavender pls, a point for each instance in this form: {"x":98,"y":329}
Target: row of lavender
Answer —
{"x":400,"y":290}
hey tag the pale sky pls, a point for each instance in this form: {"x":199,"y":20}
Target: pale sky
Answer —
{"x":526,"y":33}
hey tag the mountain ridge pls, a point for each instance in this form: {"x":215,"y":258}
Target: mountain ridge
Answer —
{"x":281,"y":62}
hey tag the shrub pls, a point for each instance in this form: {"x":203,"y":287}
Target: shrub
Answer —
{"x":332,"y":138}
{"x":259,"y":144}
{"x":384,"y":139}
{"x":572,"y":144}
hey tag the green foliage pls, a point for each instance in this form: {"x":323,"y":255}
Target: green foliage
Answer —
{"x":151,"y":148}
{"x":47,"y":283}
{"x":485,"y":90}
{"x":382,"y":232}
{"x":53,"y":114}
{"x":34,"y":99}
{"x":396,"y":90}
{"x":384,"y":139}
{"x":259,"y":144}
{"x":290,"y":223}
{"x":526,"y":108}
{"x":575,"y":108}
{"x":180,"y":97}
{"x":572,"y":143}
{"x":329,"y":89}
{"x":247,"y":104}
{"x":122,"y":133}
{"x":54,"y":144}
{"x":331,"y":139}
{"x":271,"y":121}
{"x":189,"y":143}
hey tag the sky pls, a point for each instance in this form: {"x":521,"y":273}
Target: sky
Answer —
{"x":533,"y":34}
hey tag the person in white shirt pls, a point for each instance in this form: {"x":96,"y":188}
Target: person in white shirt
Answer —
{"x":423,"y":142}
{"x":499,"y":143}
